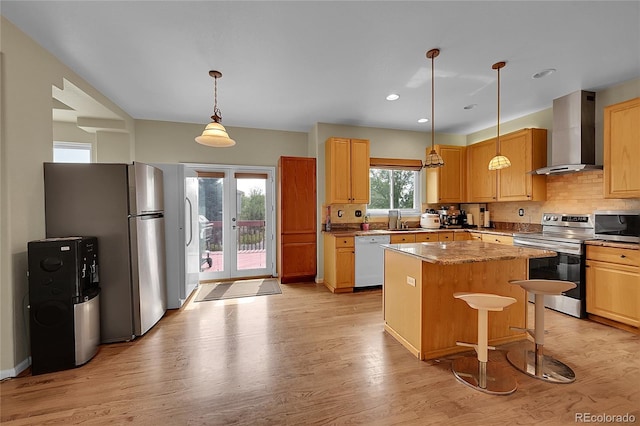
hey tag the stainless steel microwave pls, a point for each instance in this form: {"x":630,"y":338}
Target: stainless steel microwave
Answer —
{"x":618,"y":225}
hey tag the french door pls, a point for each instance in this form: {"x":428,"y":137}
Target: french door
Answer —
{"x":237,"y":221}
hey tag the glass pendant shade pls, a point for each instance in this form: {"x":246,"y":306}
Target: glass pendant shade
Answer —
{"x":499,"y":162}
{"x":215,"y":135}
{"x":434,"y":160}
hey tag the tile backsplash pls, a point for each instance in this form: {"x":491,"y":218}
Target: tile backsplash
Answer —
{"x":569,"y":193}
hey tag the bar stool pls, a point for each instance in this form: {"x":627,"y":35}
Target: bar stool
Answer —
{"x":536,"y":363}
{"x":478,"y":373}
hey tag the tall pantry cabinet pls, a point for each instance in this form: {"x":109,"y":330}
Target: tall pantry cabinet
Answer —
{"x":296,"y":225}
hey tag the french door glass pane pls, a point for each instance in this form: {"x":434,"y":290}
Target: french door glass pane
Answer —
{"x":250,"y":225}
{"x":211,"y":196}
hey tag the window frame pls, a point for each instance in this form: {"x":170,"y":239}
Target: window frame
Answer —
{"x":417,"y":190}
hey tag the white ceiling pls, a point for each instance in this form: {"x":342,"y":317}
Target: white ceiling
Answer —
{"x":287,"y":65}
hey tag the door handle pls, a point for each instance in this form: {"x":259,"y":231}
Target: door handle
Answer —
{"x":190,"y":221}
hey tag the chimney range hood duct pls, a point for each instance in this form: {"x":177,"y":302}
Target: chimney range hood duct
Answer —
{"x":573,"y":138}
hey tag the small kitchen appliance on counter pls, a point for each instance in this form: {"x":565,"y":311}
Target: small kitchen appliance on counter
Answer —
{"x":430,"y":221}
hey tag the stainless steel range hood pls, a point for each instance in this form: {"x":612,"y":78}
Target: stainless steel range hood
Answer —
{"x":573,"y":139}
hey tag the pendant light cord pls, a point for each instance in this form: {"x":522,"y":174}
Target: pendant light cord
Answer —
{"x":216,"y":112}
{"x":498,"y":128}
{"x":432,"y":103}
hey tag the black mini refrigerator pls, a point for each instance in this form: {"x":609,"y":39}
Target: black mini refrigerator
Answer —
{"x":64,"y":302}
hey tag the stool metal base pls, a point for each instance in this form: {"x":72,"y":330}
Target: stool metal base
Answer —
{"x":489,"y":377}
{"x":547,"y":368}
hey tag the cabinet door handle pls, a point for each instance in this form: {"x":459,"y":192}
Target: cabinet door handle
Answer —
{"x":622,"y":256}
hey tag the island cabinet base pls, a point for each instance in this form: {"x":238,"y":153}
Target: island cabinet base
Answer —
{"x":422,"y":314}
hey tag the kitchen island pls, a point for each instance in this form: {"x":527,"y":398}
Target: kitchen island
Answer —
{"x":420,"y":279}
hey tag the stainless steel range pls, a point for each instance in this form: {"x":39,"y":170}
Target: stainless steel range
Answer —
{"x":565,"y":234}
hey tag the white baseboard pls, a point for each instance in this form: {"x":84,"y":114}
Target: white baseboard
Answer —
{"x":319,"y":280}
{"x":13,"y":372}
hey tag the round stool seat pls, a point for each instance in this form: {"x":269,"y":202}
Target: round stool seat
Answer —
{"x":549,"y":287}
{"x":486,"y":301}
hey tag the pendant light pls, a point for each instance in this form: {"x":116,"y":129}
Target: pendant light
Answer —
{"x":215,"y":134}
{"x":499,"y":161}
{"x":433,"y":159}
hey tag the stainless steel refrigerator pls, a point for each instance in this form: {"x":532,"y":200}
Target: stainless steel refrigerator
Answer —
{"x":122,"y":205}
{"x":181,"y":232}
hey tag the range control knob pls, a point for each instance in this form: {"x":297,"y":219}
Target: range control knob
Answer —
{"x":554,"y":218}
{"x":547,"y":217}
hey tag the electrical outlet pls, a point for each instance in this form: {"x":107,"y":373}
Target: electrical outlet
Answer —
{"x":411,"y":281}
{"x":358,"y":213}
{"x":339,"y":213}
{"x":520,"y":212}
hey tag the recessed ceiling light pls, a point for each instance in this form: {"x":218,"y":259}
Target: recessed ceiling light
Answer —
{"x":423,"y":120}
{"x":471,"y":106}
{"x":393,"y":97}
{"x":544,"y":73}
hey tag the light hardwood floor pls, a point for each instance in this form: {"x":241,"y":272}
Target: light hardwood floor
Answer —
{"x":311,"y":357}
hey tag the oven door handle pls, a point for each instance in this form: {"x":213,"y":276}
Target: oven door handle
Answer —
{"x":556,"y":246}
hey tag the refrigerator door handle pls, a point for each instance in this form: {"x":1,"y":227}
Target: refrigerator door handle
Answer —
{"x":190,"y":221}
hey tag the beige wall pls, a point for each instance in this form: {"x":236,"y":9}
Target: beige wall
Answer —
{"x":28,"y":74}
{"x":166,"y":142}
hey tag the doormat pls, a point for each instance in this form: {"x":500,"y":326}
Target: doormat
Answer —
{"x":237,"y":289}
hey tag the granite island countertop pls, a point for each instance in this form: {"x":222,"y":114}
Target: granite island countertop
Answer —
{"x":456,"y":252}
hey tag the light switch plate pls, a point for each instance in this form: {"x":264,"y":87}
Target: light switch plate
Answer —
{"x":411,"y":281}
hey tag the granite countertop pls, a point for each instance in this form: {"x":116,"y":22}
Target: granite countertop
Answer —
{"x":358,"y":233}
{"x":615,"y":244}
{"x":456,"y":252}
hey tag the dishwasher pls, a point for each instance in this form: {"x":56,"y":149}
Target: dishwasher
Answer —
{"x":370,"y":260}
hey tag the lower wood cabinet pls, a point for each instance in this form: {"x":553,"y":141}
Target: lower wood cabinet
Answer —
{"x":613,"y":284}
{"x":298,"y":252}
{"x":339,"y":263}
{"x":499,"y":239}
{"x":462,"y":236}
{"x":402,"y":238}
{"x":476,"y":236}
{"x":427,"y":237}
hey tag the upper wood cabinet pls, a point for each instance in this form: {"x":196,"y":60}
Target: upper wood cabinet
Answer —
{"x":622,"y":150}
{"x":347,"y":171}
{"x":481,"y":182}
{"x":527,"y":151}
{"x":447,"y":184}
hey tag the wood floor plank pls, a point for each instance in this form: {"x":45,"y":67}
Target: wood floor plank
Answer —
{"x":311,"y":357}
